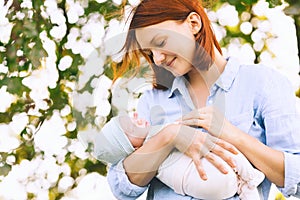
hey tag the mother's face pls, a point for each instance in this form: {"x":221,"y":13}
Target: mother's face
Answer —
{"x":171,"y":43}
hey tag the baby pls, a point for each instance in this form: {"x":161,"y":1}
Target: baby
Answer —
{"x":122,"y":135}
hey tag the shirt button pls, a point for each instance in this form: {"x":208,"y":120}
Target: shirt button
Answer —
{"x":214,"y":88}
{"x":210,"y":101}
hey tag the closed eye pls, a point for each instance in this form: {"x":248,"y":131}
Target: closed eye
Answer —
{"x":160,"y":43}
{"x":159,"y":40}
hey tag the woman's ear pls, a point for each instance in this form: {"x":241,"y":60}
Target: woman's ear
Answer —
{"x":194,"y":21}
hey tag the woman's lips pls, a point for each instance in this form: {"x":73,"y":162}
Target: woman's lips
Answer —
{"x":170,"y":63}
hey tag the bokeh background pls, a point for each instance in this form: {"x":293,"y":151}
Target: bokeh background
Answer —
{"x":56,"y":59}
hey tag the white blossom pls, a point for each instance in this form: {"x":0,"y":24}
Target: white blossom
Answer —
{"x":5,"y":32}
{"x":243,"y":52}
{"x":6,"y":191}
{"x":6,"y":99}
{"x":38,"y":84}
{"x":103,"y":108}
{"x":65,"y":183}
{"x":87,"y":136}
{"x":9,"y":140}
{"x":220,"y":31}
{"x":93,"y":66}
{"x":65,"y":111}
{"x":26,"y":4}
{"x":3,"y":69}
{"x":91,"y":186}
{"x":114,"y":39}
{"x":94,"y":31}
{"x":58,"y":32}
{"x":258,"y":45}
{"x":74,"y":11}
{"x":134,"y":2}
{"x":81,"y":101}
{"x":246,"y":28}
{"x":50,"y":138}
{"x":227,"y":15}
{"x":118,"y":2}
{"x":100,"y":96}
{"x":78,"y":149}
{"x":71,"y":126}
{"x":258,"y":35}
{"x":260,"y":8}
{"x":101,"y":1}
{"x":19,"y":122}
{"x":65,"y":62}
{"x":120,"y":98}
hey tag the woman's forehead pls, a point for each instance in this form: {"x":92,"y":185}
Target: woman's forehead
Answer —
{"x":147,"y":34}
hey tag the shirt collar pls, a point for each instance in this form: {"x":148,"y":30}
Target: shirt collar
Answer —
{"x":179,"y":84}
{"x":224,"y":81}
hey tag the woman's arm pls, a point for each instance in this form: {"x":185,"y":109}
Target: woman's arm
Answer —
{"x":264,"y":158}
{"x":141,"y":166}
{"x":188,"y":140}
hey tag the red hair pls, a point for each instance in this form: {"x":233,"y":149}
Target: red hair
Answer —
{"x":151,"y":12}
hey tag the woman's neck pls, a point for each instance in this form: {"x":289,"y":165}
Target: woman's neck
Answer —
{"x":207,"y":78}
{"x":200,"y":82}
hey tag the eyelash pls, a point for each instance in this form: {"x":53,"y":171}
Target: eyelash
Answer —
{"x":158,"y":44}
{"x":161,"y":43}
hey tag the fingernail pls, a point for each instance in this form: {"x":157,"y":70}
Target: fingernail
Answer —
{"x":225,"y":170}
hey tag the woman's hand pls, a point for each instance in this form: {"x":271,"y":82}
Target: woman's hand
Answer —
{"x":197,"y":144}
{"x":210,"y":119}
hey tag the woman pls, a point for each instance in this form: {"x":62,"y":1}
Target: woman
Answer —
{"x":251,"y":107}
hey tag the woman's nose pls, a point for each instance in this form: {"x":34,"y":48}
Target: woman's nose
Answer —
{"x":158,"y":57}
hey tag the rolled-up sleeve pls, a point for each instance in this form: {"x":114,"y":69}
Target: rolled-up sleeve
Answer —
{"x":292,"y":175}
{"x":282,"y":125}
{"x":117,"y":178}
{"x":120,"y":185}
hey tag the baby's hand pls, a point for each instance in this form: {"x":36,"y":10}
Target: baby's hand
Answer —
{"x":139,"y":122}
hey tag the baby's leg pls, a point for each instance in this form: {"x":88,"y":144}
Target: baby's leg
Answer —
{"x":179,"y":172}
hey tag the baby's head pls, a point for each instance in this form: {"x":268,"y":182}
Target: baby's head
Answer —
{"x":112,"y":144}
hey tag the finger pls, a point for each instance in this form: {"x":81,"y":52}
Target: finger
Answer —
{"x":193,"y":114}
{"x":217,"y":162}
{"x":200,"y":169}
{"x":140,"y":122}
{"x":193,"y":122}
{"x":211,"y":141}
{"x":204,"y":151}
{"x":229,"y":147}
{"x":224,"y":155}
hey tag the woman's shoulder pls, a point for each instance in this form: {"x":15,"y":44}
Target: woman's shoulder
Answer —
{"x":264,"y":77}
{"x":261,"y":72}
